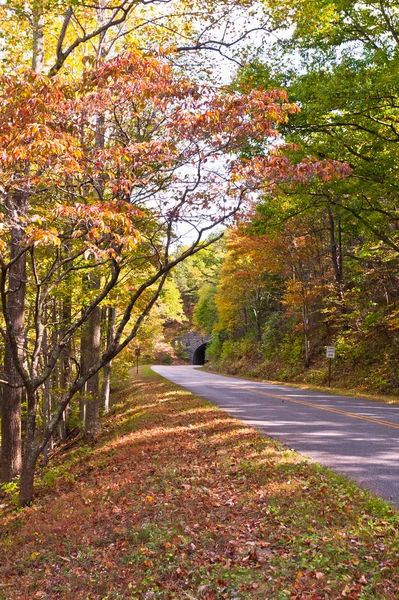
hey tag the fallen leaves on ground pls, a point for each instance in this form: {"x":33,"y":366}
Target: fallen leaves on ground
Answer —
{"x":179,"y":500}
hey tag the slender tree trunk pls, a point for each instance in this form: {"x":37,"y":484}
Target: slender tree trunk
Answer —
{"x":336,"y":250}
{"x":92,"y":420}
{"x":38,"y":42}
{"x":30,"y":452}
{"x":110,"y":327}
{"x":46,"y":403}
{"x":305,"y":317}
{"x":245,"y":319}
{"x":62,"y":428}
{"x":83,"y":367}
{"x":46,"y":411}
{"x":66,"y":357}
{"x":55,"y":377}
{"x":257,"y":312}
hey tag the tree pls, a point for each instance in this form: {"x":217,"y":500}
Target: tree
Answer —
{"x":248,"y":289}
{"x":345,"y":81}
{"x":275,"y":283}
{"x":196,"y":276}
{"x":109,"y":211}
{"x":65,"y":35}
{"x":339,"y":63}
{"x":51,"y":36}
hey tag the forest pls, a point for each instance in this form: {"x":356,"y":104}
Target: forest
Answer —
{"x":314,"y":263}
{"x":226,"y":170}
{"x":229,"y":167}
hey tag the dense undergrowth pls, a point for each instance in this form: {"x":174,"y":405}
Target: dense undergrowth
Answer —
{"x":180,"y":501}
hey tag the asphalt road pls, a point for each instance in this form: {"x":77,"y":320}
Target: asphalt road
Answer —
{"x":356,"y":437}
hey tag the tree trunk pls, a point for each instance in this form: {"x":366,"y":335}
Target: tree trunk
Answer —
{"x":30,"y":453}
{"x":92,"y":421}
{"x":12,"y":397}
{"x":83,"y":367}
{"x":46,"y":397}
{"x":306,"y":327}
{"x":110,"y":327}
{"x":30,"y":456}
{"x":27,"y":478}
{"x":38,"y":42}
{"x":10,"y":432}
{"x":65,"y":360}
{"x":257,"y":312}
{"x":55,"y":377}
{"x":336,"y":250}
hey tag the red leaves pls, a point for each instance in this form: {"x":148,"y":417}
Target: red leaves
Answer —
{"x":33,"y":122}
{"x":132,"y":132}
{"x":269,"y":171}
{"x":114,"y":220}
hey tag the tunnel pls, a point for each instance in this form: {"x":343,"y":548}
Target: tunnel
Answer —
{"x":199,"y":355}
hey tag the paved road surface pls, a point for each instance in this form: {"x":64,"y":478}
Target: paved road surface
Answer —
{"x":356,"y":437}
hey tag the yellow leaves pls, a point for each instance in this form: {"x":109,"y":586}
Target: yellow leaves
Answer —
{"x":113,"y":222}
{"x":149,"y":499}
{"x":43,"y":237}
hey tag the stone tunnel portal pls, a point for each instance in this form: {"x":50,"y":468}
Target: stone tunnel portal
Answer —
{"x":199,"y":355}
{"x":192,"y":344}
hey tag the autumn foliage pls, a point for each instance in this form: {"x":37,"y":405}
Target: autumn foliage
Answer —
{"x":98,"y":171}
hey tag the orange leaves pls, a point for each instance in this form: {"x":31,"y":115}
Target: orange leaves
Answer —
{"x":126,"y":67}
{"x":239,"y":116}
{"x":276,"y":169}
{"x":115,"y":211}
{"x":34,"y":129}
{"x":100,"y":229}
{"x":113,"y":221}
{"x":43,"y":237}
{"x":133,"y":132}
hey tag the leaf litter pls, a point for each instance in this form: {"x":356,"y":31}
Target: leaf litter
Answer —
{"x":178,"y":500}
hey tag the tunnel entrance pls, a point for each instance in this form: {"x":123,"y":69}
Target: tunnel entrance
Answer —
{"x":199,"y":355}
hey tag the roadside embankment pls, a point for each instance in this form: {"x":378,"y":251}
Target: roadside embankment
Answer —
{"x":178,"y":500}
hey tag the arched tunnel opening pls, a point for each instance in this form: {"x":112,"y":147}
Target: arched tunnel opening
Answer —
{"x":199,"y":355}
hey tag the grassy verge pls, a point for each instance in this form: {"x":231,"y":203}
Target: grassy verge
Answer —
{"x":181,"y":501}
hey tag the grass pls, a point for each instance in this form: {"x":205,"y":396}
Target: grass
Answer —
{"x":180,"y":501}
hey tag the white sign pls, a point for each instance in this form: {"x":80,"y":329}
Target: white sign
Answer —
{"x":330,"y":351}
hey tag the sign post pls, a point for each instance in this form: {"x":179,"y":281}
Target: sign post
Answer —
{"x":137,"y":353}
{"x":330,"y":354}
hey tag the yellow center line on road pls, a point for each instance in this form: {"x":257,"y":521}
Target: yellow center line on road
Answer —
{"x":334,"y":410}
